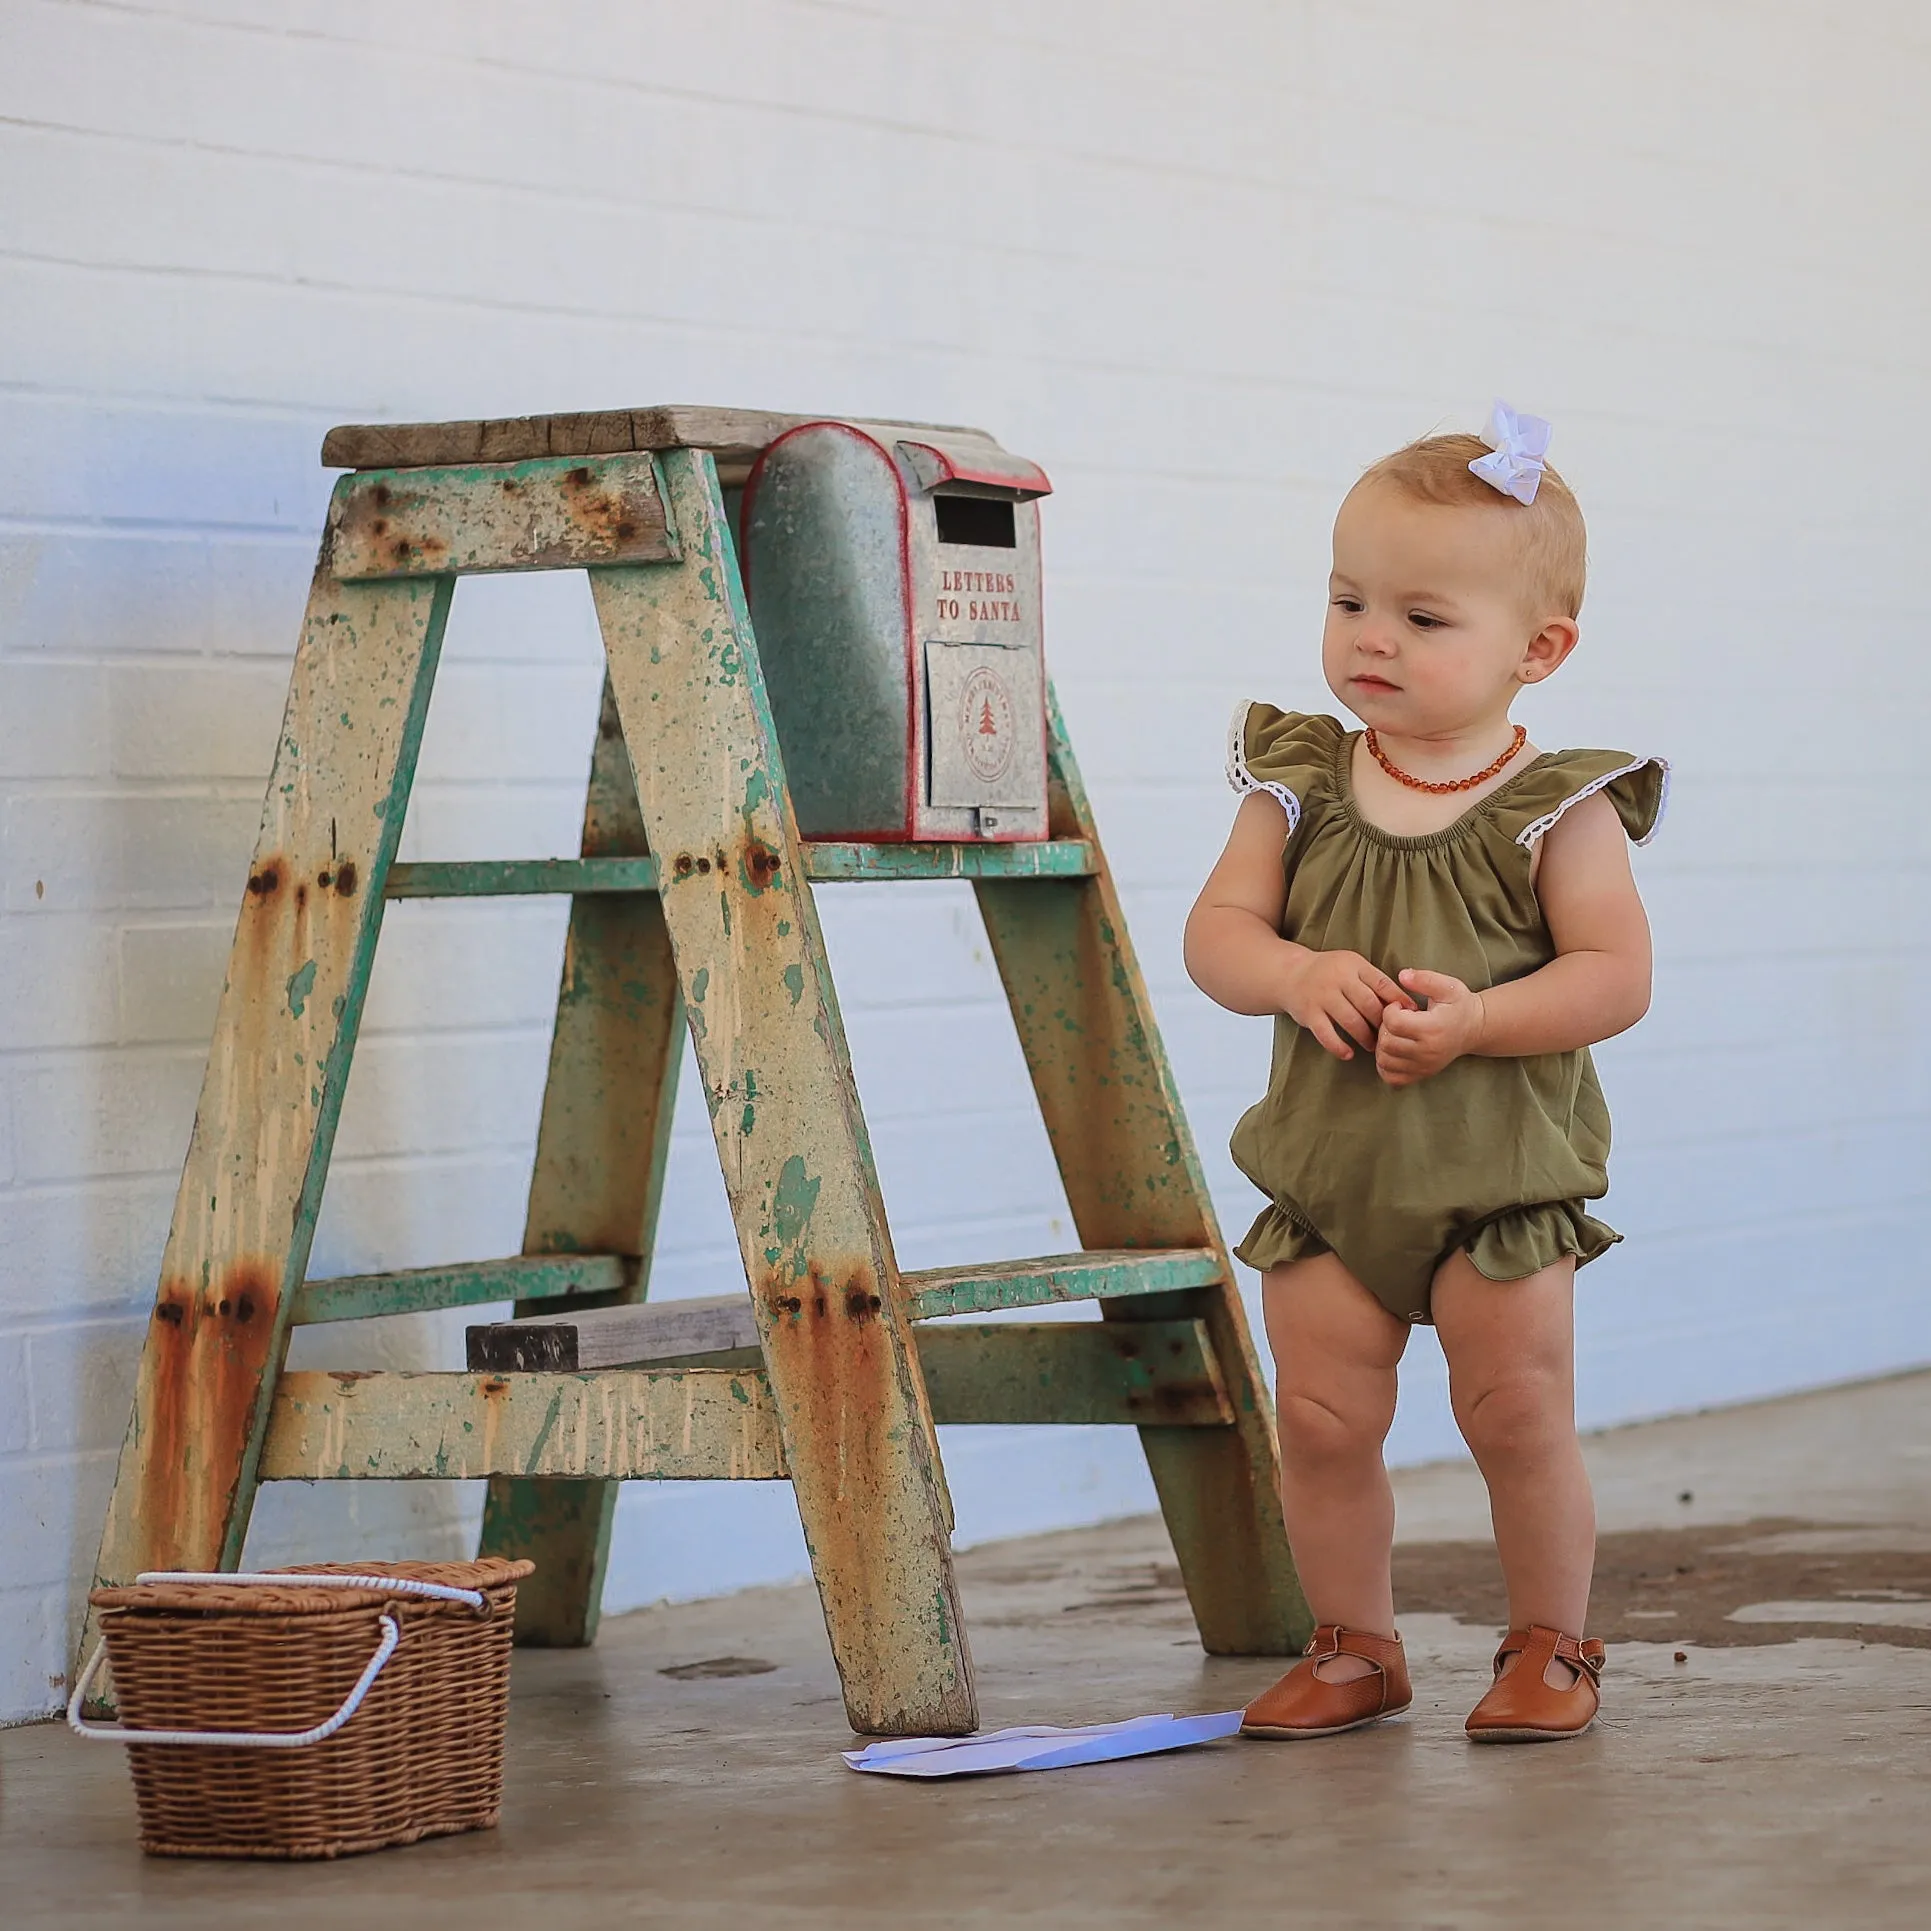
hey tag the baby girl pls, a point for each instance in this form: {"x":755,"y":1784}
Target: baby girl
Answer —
{"x":1441,"y":920}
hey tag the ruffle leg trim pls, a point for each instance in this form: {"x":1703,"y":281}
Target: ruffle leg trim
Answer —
{"x":1525,"y":1240}
{"x":1277,"y":1237}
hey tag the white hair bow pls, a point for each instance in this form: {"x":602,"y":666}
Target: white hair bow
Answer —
{"x":1519,"y":444}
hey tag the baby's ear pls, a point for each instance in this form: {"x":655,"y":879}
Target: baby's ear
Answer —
{"x":1548,"y":649}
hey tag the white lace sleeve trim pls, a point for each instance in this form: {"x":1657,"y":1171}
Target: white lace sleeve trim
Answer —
{"x":1530,"y":833}
{"x":1243,"y":780}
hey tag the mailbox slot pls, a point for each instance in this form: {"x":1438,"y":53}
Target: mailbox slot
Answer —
{"x":984,"y":522}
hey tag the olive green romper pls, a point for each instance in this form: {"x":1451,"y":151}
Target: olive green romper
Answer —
{"x":1492,"y":1155}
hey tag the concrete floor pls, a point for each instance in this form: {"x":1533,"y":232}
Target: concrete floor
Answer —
{"x":1776,"y":1776}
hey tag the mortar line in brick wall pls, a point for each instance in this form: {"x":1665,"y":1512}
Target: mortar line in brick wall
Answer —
{"x":294,"y":415}
{"x":1235,"y":383}
{"x":1629,"y":1048}
{"x":1238,"y":383}
{"x":1085,"y":364}
{"x":110,"y":789}
{"x":500,"y":188}
{"x":31,"y":656}
{"x":414,"y":64}
{"x":1097,"y":59}
{"x":516,"y":1152}
{"x":1681,"y":955}
{"x":26,"y":1060}
{"x":1861,"y":1214}
{"x":292,"y":535}
{"x":38,"y":1327}
{"x":1852,"y":1215}
{"x":1779,"y":956}
{"x":1864,"y":1119}
{"x":59,"y":1457}
{"x":1522,"y":38}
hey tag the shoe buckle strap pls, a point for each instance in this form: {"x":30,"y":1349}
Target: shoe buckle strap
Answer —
{"x":1582,"y":1653}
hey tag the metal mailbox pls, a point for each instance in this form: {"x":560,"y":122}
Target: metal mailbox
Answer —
{"x":893,"y":576}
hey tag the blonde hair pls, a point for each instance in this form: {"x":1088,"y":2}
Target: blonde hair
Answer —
{"x":1554,"y":540}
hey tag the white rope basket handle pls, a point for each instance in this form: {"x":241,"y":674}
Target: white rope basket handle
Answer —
{"x":267,"y":1739}
{"x":308,"y":1579}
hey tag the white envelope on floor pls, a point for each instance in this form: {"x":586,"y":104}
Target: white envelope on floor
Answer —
{"x":1040,"y":1746}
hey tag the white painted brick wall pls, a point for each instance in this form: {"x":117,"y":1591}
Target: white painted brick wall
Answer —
{"x":1202,"y":262}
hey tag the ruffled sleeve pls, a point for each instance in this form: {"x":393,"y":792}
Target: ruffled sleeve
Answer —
{"x":1637,"y":787}
{"x":1288,"y":754}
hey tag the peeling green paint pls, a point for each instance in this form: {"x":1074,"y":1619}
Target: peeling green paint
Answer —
{"x":544,"y":1433}
{"x":300,"y":984}
{"x":792,"y":1206}
{"x":794,"y":982}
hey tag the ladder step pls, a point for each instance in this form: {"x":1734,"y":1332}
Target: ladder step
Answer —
{"x":1047,"y":858}
{"x":421,"y":1290}
{"x":1141,"y":1373}
{"x":670,"y":1330}
{"x":719,"y":1424}
{"x":1099,"y":1274}
{"x":825,"y":863}
{"x":520,"y":877}
{"x":703,"y":1425}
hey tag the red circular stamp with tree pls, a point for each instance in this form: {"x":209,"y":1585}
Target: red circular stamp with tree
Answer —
{"x":986,"y":725}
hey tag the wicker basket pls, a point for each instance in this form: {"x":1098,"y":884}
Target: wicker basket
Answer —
{"x":422,"y":1755}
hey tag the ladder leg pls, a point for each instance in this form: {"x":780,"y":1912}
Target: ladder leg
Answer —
{"x":857,"y":1428}
{"x":284,"y":1032}
{"x":599,"y":1174}
{"x":1133,"y":1179}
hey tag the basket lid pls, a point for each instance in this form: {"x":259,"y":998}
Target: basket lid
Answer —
{"x":262,"y":1599}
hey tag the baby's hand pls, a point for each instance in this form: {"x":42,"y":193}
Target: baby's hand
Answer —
{"x":1413,"y":1045}
{"x":1341,"y":999}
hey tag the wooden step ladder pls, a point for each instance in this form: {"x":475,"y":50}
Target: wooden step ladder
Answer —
{"x":691,"y":901}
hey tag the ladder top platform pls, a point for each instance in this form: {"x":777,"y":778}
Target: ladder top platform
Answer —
{"x":734,"y":437}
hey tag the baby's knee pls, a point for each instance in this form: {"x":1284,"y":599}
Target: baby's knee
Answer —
{"x":1523,"y":1415}
{"x":1315,"y":1430}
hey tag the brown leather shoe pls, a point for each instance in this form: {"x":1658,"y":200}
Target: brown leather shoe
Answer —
{"x":1520,"y":1707}
{"x":1303,"y":1704}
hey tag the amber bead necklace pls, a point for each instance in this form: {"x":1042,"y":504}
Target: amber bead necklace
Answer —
{"x":1455,"y":784}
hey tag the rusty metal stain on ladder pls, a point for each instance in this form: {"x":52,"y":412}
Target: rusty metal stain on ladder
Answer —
{"x":215,"y":1341}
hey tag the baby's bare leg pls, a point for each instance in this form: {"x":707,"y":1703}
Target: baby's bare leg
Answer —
{"x":1511,"y":1376}
{"x":1335,"y":1349}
